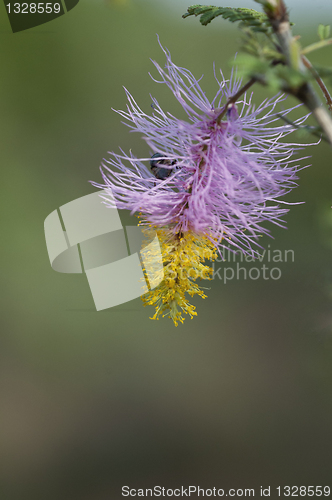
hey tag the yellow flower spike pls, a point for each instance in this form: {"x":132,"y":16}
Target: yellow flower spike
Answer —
{"x":183,"y":264}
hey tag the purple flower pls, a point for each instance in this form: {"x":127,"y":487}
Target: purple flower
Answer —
{"x":227,"y":175}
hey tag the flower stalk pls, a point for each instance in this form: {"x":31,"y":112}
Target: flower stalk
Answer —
{"x":277,"y":13}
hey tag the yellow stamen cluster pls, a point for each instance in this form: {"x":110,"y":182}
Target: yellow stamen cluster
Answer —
{"x":183,"y":256}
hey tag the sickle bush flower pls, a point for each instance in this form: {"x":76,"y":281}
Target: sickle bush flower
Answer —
{"x":229,"y":168}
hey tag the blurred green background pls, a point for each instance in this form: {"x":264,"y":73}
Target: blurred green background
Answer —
{"x":240,"y":396}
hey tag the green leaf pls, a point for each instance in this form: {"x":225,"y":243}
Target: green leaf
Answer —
{"x":262,"y":48}
{"x":248,"y":17}
{"x":292,"y":77}
{"x":250,"y":66}
{"x":277,"y":77}
{"x":323,"y":31}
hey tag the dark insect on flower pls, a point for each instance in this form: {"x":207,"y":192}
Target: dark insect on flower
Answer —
{"x":157,"y":166}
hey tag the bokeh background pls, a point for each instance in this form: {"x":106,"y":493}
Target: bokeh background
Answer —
{"x":240,"y":396}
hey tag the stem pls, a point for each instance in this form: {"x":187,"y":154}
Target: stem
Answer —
{"x":278,"y":16}
{"x":308,"y":96}
{"x":320,"y":82}
{"x":234,"y":98}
